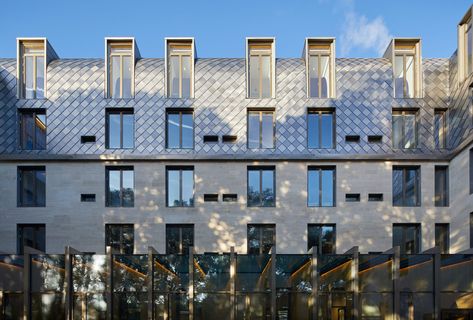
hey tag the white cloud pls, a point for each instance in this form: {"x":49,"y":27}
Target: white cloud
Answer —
{"x":359,"y":32}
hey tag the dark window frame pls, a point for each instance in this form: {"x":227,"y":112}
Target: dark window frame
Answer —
{"x":405,"y":226}
{"x":260,"y":227}
{"x":320,"y":169}
{"x":442,"y":227}
{"x":20,"y":200}
{"x":417,"y":186}
{"x":180,"y":169}
{"x":260,"y":169}
{"x":442,"y":199}
{"x":107,"y":185}
{"x":20,"y":241}
{"x":121,"y":112}
{"x":319,"y":112}
{"x":180,"y":227}
{"x":121,"y":241}
{"x":260,"y":112}
{"x":320,"y":225}
{"x":180,"y":112}
{"x":21,"y":128}
{"x":403,"y":113}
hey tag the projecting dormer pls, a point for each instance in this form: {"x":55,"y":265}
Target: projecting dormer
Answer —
{"x":405,"y":56}
{"x":261,"y":68}
{"x":319,"y":57}
{"x":179,"y":66}
{"x":33,"y":57}
{"x":465,"y":46}
{"x":121,"y":54}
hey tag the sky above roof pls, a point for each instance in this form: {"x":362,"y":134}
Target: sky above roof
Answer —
{"x":76,"y":29}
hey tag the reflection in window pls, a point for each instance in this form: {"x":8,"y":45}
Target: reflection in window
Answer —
{"x":120,"y":187}
{"x":440,"y":129}
{"x":32,"y":129}
{"x":120,"y":70}
{"x":261,"y":238}
{"x":404,"y":129}
{"x":320,"y":129}
{"x":321,"y":187}
{"x":323,"y":236}
{"x":180,"y":70}
{"x":406,"y":186}
{"x":442,"y":237}
{"x":31,"y":235}
{"x":179,"y":238}
{"x":180,"y":186}
{"x":32,"y":69}
{"x":179,"y":130}
{"x":441,"y":186}
{"x":120,"y":129}
{"x":407,"y":237}
{"x":261,"y":187}
{"x":260,"y":129}
{"x":32,"y":186}
{"x":120,"y":238}
{"x":319,"y":71}
{"x":260,"y":70}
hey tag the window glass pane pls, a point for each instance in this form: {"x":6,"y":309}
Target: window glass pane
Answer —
{"x":28,"y":131}
{"x":327,"y":130}
{"x":253,"y":130}
{"x":114,"y":131}
{"x":441,"y":186}
{"x":40,"y":124}
{"x":174,"y":76}
{"x":314,"y":187}
{"x":397,"y":131}
{"x":399,"y":76}
{"x":327,"y":188}
{"x":410,"y":131}
{"x":253,"y":240}
{"x":469,"y":51}
{"x":410,"y":88}
{"x":115,"y":77}
{"x":266,"y":74}
{"x":173,"y":130}
{"x":328,"y":240}
{"x":397,"y":187}
{"x":127,"y":240}
{"x":128,"y":131}
{"x":127,"y":65}
{"x":253,"y":188}
{"x":324,"y":76}
{"x":410,"y":187}
{"x":172,"y":240}
{"x":439,"y":130}
{"x":187,"y":188}
{"x":186,"y":77}
{"x":40,"y":188}
{"x":407,"y":237}
{"x":314,"y":76}
{"x":442,"y":237}
{"x":40,"y":77}
{"x":268,"y":188}
{"x":187,"y":130}
{"x":313,"y":130}
{"x":267,"y":138}
{"x":114,"y":188}
{"x":187,"y":238}
{"x":268,"y":238}
{"x":29,"y":77}
{"x":128,"y":188}
{"x":254,"y":75}
{"x":173,"y":188}
{"x":27,"y":187}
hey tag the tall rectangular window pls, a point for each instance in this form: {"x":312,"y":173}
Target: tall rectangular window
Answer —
{"x":31,"y":186}
{"x":323,"y":236}
{"x":471,"y":230}
{"x":440,"y":129}
{"x":441,"y":186}
{"x":320,"y":70}
{"x":180,"y":129}
{"x":120,"y":186}
{"x":31,"y":235}
{"x":179,"y":238}
{"x":406,"y":186}
{"x":180,"y":186}
{"x":32,"y":129}
{"x":471,"y":171}
{"x":261,"y":129}
{"x":120,"y":69}
{"x":442,"y":237}
{"x":320,"y":129}
{"x":406,"y":69}
{"x":467,"y":54}
{"x":404,"y":129}
{"x":120,"y":129}
{"x":321,"y":186}
{"x":261,"y":187}
{"x":261,"y":238}
{"x":260,"y":69}
{"x":32,"y":69}
{"x":408,"y":237}
{"x":120,"y":238}
{"x":179,"y":66}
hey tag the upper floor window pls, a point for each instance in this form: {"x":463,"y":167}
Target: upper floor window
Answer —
{"x":179,"y":129}
{"x":32,"y":129}
{"x":180,"y":186}
{"x":261,"y":129}
{"x":406,"y":68}
{"x":471,"y":170}
{"x":261,"y":238}
{"x":465,"y":45}
{"x":321,"y":187}
{"x":179,"y":238}
{"x":120,"y":238}
{"x":407,"y":236}
{"x":260,"y":68}
{"x":261,"y":187}
{"x":320,"y":129}
{"x":406,"y":186}
{"x":441,"y":186}
{"x":120,"y":182}
{"x":320,"y":65}
{"x":323,"y":237}
{"x":32,"y":64}
{"x":32,"y":186}
{"x":31,"y":235}
{"x":120,"y":68}
{"x":120,"y":129}
{"x":180,"y":68}
{"x":440,"y":129}
{"x":404,"y":129}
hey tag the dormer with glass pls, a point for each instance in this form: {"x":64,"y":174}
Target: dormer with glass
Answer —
{"x":405,"y":55}
{"x":319,"y":56}
{"x":180,"y":55}
{"x":120,"y":57}
{"x":465,"y":46}
{"x":33,"y":56}
{"x":260,"y":68}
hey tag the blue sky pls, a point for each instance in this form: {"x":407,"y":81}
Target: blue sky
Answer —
{"x":362,"y":27}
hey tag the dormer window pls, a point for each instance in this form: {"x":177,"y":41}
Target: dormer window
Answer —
{"x":120,"y":68}
{"x":465,"y":46}
{"x":320,"y":66}
{"x":180,"y":68}
{"x":32,"y":65}
{"x":260,"y":68}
